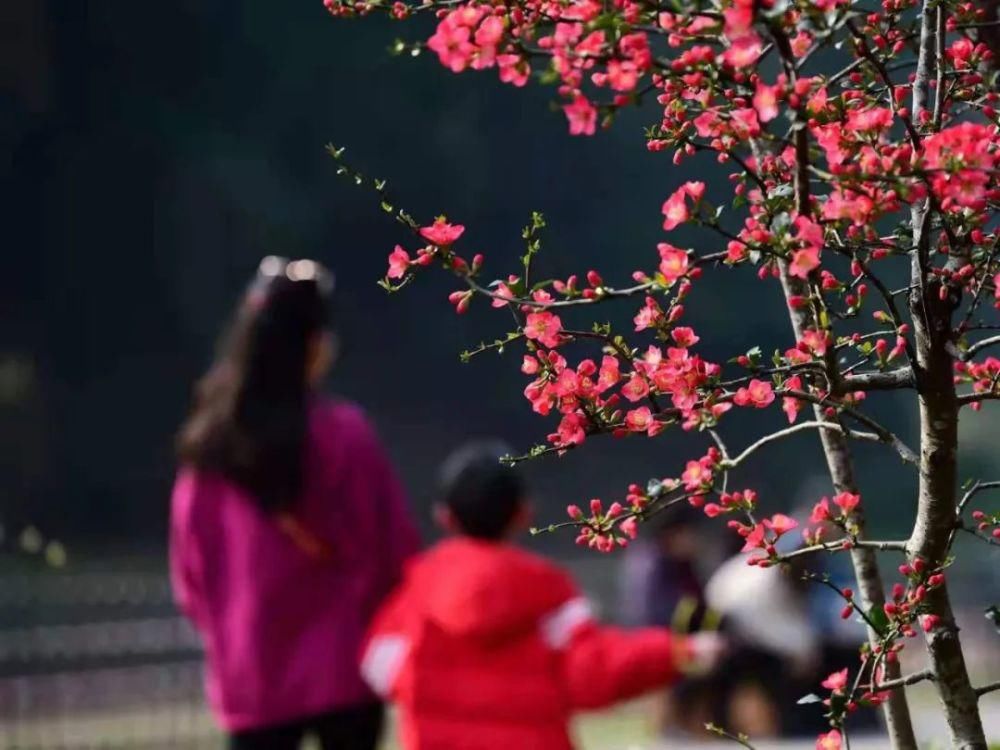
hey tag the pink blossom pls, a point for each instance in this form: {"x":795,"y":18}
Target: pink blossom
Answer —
{"x":684,"y":336}
{"x":765,"y":101}
{"x":572,"y":429}
{"x":829,"y":741}
{"x":743,"y":52}
{"x":609,"y":373}
{"x":640,"y":420}
{"x":836,"y":681}
{"x":649,"y":315}
{"x":780,"y":524}
{"x":696,"y":476}
{"x":399,"y":263}
{"x":622,"y":75}
{"x":513,"y":69}
{"x":636,"y":388}
{"x":673,"y":262}
{"x":759,"y":393}
{"x":792,"y":406}
{"x":490,"y":31}
{"x":847,"y":502}
{"x":821,"y":512}
{"x":452,"y":43}
{"x":442,"y":233}
{"x":874,"y":119}
{"x":543,"y":327}
{"x":675,"y":208}
{"x":582,"y":116}
{"x":803,"y":262}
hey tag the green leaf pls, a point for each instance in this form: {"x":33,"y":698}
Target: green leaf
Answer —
{"x":878,"y":619}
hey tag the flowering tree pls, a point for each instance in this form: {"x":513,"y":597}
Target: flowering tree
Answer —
{"x":864,"y":145}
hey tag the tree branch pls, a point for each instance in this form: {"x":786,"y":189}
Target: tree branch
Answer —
{"x":979,"y":346}
{"x":884,"y":435}
{"x":880,"y":381}
{"x":988,"y":688}
{"x":910,"y":679}
{"x":838,"y":544}
{"x":732,"y":463}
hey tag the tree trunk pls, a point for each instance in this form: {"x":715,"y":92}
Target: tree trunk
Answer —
{"x":866,"y":569}
{"x":936,"y":507}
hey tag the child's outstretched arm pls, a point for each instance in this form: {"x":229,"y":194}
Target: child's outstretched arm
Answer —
{"x":603,"y":665}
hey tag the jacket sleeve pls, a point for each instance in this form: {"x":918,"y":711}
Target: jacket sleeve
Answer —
{"x":604,"y":665}
{"x":184,"y":553}
{"x":387,"y":646}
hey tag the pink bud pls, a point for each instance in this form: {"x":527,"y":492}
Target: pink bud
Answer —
{"x":846,"y":612}
{"x":847,"y":593}
{"x":905,"y":569}
{"x":890,"y":609}
{"x":595,"y":506}
{"x":929,"y":622}
{"x":898,"y":591}
{"x":978,"y":515}
{"x":615,"y":510}
{"x":936,"y":580}
{"x":574,"y":512}
{"x":594,"y":278}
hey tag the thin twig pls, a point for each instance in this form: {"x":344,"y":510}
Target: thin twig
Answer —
{"x":988,"y":688}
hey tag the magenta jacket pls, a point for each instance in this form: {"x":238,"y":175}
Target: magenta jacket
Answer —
{"x":282,"y":629}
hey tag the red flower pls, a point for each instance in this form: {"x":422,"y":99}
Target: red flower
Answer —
{"x":572,"y":429}
{"x":829,"y":741}
{"x":636,"y":388}
{"x":804,"y":261}
{"x":543,"y":327}
{"x":696,"y":476}
{"x":765,"y":101}
{"x":441,"y":232}
{"x":673,"y":262}
{"x":847,"y":502}
{"x":675,"y":208}
{"x":836,"y":681}
{"x":684,"y":336}
{"x":792,"y":406}
{"x":821,"y":512}
{"x":759,"y":394}
{"x":582,"y":116}
{"x":780,"y":524}
{"x":399,"y":263}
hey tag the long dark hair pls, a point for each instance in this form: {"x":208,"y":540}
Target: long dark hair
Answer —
{"x":249,"y":418}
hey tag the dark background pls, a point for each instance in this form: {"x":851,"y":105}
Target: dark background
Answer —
{"x":152,"y":153}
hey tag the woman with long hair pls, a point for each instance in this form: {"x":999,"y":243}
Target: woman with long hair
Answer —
{"x":288,"y":525}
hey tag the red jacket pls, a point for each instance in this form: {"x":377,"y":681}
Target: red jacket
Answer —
{"x":487,"y":647}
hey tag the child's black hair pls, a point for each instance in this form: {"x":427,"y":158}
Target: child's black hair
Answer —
{"x":482,"y":494}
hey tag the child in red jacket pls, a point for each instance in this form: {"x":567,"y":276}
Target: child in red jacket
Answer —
{"x":485,"y":646}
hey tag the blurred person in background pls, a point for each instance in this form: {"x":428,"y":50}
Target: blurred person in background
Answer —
{"x":775,"y":648}
{"x":288,"y":525}
{"x":485,"y":646}
{"x":661,"y":585}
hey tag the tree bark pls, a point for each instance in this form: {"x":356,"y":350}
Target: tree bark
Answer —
{"x":936,"y":509}
{"x":866,"y":569}
{"x":933,"y":370}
